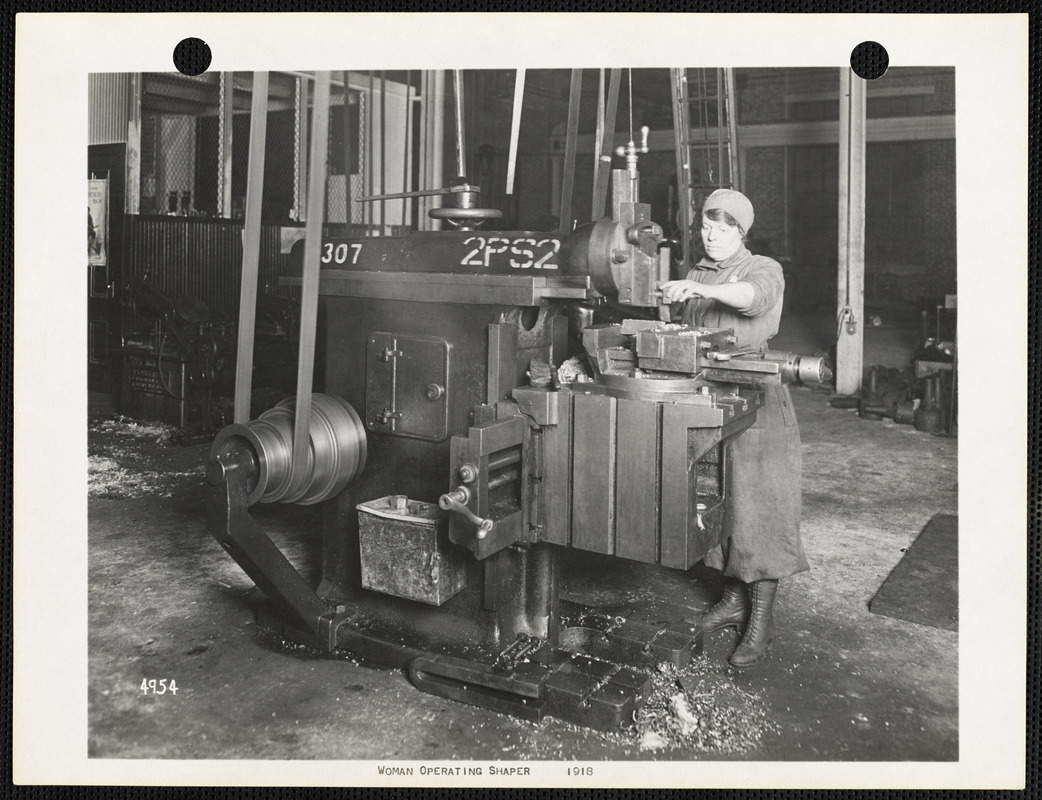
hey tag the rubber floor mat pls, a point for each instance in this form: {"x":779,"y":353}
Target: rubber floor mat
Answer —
{"x":924,"y":586}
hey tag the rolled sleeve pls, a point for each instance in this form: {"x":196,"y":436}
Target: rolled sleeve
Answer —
{"x":768,"y":282}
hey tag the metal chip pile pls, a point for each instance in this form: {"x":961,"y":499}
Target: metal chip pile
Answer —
{"x":573,"y":371}
{"x":106,"y":478}
{"x":696,"y":711}
{"x":700,"y":708}
{"x":123,"y":426}
{"x":121,"y":452}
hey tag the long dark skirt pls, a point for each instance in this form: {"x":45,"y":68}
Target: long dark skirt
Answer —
{"x":763,"y":519}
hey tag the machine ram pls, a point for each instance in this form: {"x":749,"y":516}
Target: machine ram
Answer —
{"x":481,"y":414}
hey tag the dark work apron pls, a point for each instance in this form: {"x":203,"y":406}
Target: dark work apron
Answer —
{"x":763,"y":504}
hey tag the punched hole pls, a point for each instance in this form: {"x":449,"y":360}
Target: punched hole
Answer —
{"x":192,"y":56}
{"x":869,"y":60}
{"x":529,"y":317}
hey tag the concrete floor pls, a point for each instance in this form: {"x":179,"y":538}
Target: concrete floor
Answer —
{"x":840,"y":683}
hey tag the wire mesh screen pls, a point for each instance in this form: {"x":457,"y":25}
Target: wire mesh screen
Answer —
{"x":195,"y":147}
{"x":195,"y":156}
{"x":168,"y":155}
{"x":386,"y":164}
{"x":346,"y":153}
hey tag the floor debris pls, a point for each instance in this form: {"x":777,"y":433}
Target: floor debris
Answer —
{"x":123,"y":460}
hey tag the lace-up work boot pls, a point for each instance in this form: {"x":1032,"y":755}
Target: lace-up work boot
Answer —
{"x":760,"y":630}
{"x":731,"y":610}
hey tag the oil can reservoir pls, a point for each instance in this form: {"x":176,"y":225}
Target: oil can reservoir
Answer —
{"x":406,"y":552}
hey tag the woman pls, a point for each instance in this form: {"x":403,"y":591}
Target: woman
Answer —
{"x":732,"y":288}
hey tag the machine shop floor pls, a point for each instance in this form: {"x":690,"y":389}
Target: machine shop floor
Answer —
{"x":840,"y":683}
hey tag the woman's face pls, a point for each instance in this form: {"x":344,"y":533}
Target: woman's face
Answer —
{"x":719,"y":238}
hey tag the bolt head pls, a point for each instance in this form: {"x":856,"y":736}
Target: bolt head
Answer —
{"x":434,"y":391}
{"x":215,"y":472}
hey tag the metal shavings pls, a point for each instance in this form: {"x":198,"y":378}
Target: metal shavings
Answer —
{"x":697,"y":710}
{"x":652,"y":741}
{"x":106,"y":478}
{"x":709,"y":713}
{"x":573,"y":371}
{"x":123,"y":426}
{"x":678,"y":705}
{"x":126,"y":460}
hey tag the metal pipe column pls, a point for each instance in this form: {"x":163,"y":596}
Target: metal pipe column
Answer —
{"x":851,"y":294}
{"x":461,"y":142}
{"x":227,"y":124}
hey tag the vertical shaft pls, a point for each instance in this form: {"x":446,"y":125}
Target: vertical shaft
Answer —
{"x":600,"y":191}
{"x":461,"y":144}
{"x":734,"y":154}
{"x":349,"y":145}
{"x":720,"y":110}
{"x":383,"y":152}
{"x":515,"y":128}
{"x":682,"y":153}
{"x":407,"y":150}
{"x":574,"y":95}
{"x":227,"y":123}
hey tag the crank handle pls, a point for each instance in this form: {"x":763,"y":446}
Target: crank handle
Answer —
{"x":456,"y":501}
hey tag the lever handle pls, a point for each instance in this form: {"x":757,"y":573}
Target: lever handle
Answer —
{"x":456,"y":500}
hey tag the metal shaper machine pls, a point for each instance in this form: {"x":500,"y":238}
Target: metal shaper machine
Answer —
{"x":454,"y":459}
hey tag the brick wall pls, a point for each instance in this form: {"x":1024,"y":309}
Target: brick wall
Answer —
{"x":939,"y":222}
{"x":765,"y":187}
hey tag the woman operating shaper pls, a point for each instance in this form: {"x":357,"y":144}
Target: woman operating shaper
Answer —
{"x":732,"y":288}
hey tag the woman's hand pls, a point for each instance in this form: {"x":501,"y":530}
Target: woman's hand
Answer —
{"x":679,"y":291}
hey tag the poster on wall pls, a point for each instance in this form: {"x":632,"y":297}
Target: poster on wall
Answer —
{"x":97,"y":221}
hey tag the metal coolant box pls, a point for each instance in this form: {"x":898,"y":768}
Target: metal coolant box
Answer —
{"x":406,"y":552}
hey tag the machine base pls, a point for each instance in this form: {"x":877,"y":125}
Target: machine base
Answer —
{"x":640,"y":636}
{"x":550,"y":682}
{"x":597,"y":676}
